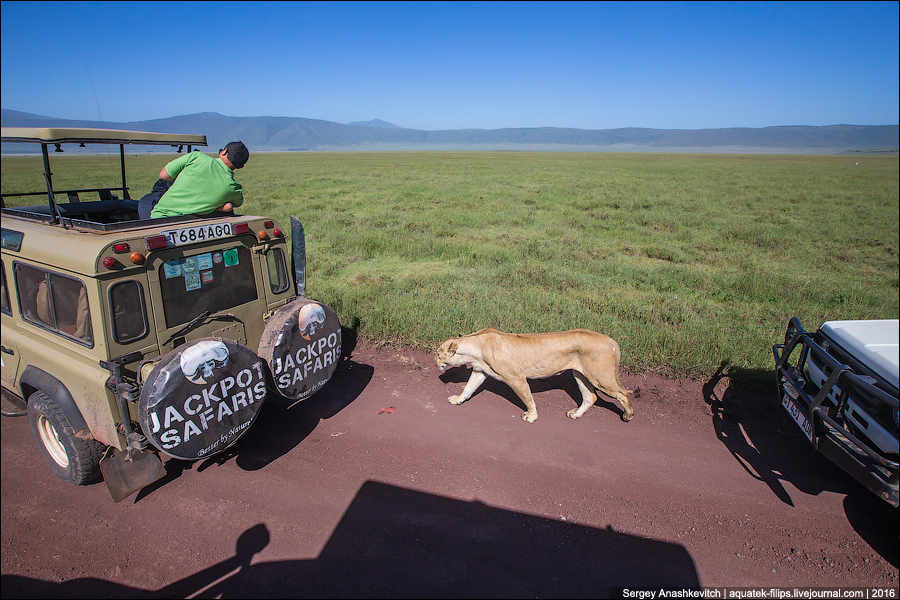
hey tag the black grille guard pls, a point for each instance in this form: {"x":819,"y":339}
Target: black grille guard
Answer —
{"x":855,"y":456}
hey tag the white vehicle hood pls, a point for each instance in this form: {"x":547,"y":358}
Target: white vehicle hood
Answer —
{"x":875,"y":343}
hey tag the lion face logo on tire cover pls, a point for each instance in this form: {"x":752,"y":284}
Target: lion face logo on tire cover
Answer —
{"x":199,"y":362}
{"x":310,"y":318}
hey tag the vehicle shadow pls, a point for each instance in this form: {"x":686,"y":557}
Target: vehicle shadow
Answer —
{"x":749,"y":420}
{"x":282,"y":424}
{"x":875,"y":521}
{"x":394,"y":542}
{"x":564,"y":381}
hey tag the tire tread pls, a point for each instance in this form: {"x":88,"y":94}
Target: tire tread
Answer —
{"x":84,"y":454}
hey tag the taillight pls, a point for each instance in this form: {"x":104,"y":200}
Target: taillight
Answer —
{"x":109,"y":262}
{"x":241,"y":228}
{"x":276,"y":232}
{"x":121,"y":248}
{"x":156,"y":242}
{"x":136,"y":257}
{"x":262,"y":234}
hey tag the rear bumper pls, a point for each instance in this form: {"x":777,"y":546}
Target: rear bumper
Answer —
{"x":818,"y":411}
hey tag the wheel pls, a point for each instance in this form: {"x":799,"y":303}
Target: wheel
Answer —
{"x":74,"y":460}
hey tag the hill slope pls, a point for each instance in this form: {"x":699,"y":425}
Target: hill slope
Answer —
{"x":299,"y":134}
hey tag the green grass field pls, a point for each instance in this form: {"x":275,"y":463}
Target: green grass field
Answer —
{"x":688,"y":260}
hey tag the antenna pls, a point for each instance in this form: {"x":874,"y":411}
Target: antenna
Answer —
{"x":97,"y":100}
{"x":95,"y":92}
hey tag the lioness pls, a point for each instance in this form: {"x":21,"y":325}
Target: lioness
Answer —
{"x":515,"y":357}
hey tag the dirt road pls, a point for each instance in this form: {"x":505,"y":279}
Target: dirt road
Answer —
{"x":378,"y":487}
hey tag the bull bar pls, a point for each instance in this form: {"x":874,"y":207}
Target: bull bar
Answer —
{"x":829,"y":436}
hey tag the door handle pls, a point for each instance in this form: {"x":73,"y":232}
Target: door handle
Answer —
{"x":6,"y":350}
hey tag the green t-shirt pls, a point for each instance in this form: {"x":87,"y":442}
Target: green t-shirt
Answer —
{"x":202,"y":184}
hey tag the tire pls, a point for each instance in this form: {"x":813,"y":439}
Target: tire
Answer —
{"x":74,"y":460}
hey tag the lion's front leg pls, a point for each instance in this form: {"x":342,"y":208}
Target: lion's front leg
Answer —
{"x":475,"y":380}
{"x":524,"y":392}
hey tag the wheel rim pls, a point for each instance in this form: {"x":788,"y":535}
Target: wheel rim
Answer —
{"x":51,"y":442}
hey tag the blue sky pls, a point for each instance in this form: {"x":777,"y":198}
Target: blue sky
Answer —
{"x":457,"y":65}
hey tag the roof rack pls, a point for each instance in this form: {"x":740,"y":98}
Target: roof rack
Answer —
{"x":46,"y":136}
{"x":61,"y":135}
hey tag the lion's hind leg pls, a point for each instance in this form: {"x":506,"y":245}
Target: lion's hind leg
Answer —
{"x":588,"y":396}
{"x":610,"y":386}
{"x":624,"y":398}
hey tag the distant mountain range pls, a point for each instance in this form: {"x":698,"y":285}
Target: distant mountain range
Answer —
{"x":374,"y":123}
{"x":294,"y":134}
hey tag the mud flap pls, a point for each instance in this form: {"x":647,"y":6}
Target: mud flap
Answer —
{"x":125,"y":472}
{"x":302,"y":346}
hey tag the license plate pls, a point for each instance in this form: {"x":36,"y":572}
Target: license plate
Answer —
{"x":798,"y":416}
{"x":190,"y":235}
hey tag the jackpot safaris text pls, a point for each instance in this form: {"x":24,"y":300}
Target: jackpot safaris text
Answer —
{"x":215,"y":404}
{"x":307,"y":360}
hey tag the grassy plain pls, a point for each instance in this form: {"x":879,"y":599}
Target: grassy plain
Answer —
{"x":688,"y":260}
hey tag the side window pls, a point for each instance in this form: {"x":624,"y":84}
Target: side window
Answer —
{"x":4,"y":292}
{"x":54,"y":302}
{"x":278,"y":272}
{"x":129,"y":314}
{"x":31,"y":283}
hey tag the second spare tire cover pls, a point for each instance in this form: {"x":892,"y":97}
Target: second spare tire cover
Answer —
{"x":202,"y":397}
{"x":302,"y":346}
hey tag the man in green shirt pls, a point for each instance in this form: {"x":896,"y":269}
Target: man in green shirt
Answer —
{"x":202,"y":184}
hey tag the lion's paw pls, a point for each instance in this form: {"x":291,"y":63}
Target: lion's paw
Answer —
{"x":456,"y":400}
{"x":529,"y":418}
{"x":573,"y":414}
{"x":627,"y":417}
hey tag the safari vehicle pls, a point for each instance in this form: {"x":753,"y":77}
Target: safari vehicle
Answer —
{"x":841,"y":390}
{"x":125,"y":339}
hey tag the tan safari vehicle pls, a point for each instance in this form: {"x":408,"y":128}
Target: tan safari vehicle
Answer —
{"x":125,"y":340}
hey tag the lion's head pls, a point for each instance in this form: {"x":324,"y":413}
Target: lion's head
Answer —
{"x":444,"y":354}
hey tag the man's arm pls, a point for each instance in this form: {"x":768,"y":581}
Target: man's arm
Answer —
{"x":164,"y":175}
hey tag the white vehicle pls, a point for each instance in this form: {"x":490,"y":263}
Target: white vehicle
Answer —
{"x":842,"y":391}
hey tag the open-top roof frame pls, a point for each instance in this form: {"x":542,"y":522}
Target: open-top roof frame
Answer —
{"x":72,"y":135}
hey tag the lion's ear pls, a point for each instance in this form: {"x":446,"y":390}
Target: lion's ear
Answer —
{"x":453,"y":348}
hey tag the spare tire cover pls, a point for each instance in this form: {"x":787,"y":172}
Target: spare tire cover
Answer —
{"x":302,"y":346}
{"x":202,"y":397}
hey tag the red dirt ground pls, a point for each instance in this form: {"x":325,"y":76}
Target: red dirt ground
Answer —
{"x":378,"y":487}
